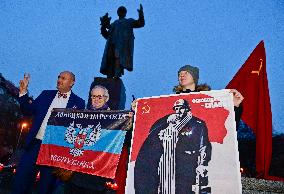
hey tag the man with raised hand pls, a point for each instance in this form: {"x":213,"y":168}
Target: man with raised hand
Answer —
{"x":40,"y":109}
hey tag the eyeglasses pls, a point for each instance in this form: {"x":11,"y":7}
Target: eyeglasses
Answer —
{"x":100,"y":97}
{"x":177,"y":108}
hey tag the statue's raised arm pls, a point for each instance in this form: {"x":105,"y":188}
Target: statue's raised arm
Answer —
{"x":141,"y":21}
{"x":105,"y":25}
{"x":118,"y":53}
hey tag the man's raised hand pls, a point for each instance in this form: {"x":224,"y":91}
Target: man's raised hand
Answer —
{"x":24,"y":83}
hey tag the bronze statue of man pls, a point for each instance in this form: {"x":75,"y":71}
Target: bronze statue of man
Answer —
{"x":118,"y":53}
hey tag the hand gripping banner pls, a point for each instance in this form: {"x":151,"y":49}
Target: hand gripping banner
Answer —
{"x":84,"y":141}
{"x":184,"y":143}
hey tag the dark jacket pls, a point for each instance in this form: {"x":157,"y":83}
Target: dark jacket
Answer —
{"x":86,"y":181}
{"x":39,"y":107}
{"x":191,"y":138}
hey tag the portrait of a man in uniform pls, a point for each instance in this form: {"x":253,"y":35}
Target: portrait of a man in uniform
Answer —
{"x":174,"y":157}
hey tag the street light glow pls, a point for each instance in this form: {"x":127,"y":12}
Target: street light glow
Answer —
{"x":24,"y":125}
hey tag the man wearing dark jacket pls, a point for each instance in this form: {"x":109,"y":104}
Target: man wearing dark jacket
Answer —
{"x":40,"y":109}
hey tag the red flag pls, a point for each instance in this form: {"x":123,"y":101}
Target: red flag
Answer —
{"x":251,"y":82}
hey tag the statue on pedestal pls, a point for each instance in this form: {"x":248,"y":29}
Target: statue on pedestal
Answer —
{"x":118,"y":53}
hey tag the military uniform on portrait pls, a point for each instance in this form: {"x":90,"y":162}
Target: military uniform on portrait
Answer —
{"x":192,"y":142}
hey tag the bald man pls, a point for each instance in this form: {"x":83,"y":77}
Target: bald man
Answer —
{"x":40,"y":109}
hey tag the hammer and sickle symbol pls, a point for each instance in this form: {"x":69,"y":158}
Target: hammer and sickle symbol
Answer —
{"x":259,"y":68}
{"x":146,"y":108}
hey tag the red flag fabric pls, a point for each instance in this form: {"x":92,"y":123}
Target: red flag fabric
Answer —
{"x":121,"y":172}
{"x":251,"y":82}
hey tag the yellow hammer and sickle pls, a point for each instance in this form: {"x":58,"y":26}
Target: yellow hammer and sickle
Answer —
{"x":146,"y":109}
{"x":259,"y":68}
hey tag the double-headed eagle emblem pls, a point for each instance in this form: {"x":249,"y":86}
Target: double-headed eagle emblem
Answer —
{"x":81,"y":138}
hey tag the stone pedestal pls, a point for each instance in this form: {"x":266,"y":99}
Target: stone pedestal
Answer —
{"x":116,"y":91}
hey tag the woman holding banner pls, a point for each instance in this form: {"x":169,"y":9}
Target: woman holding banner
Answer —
{"x":88,"y":184}
{"x":188,"y":82}
{"x":174,"y":157}
{"x":84,"y":183}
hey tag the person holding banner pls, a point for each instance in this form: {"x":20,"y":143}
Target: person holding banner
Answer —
{"x":174,"y":157}
{"x":188,"y":82}
{"x":86,"y":184}
{"x":40,"y":109}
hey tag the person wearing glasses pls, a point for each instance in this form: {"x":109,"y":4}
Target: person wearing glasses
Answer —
{"x":100,"y":97}
{"x":84,"y":183}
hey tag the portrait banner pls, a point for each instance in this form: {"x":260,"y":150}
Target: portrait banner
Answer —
{"x":185,"y":143}
{"x":84,"y":141}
